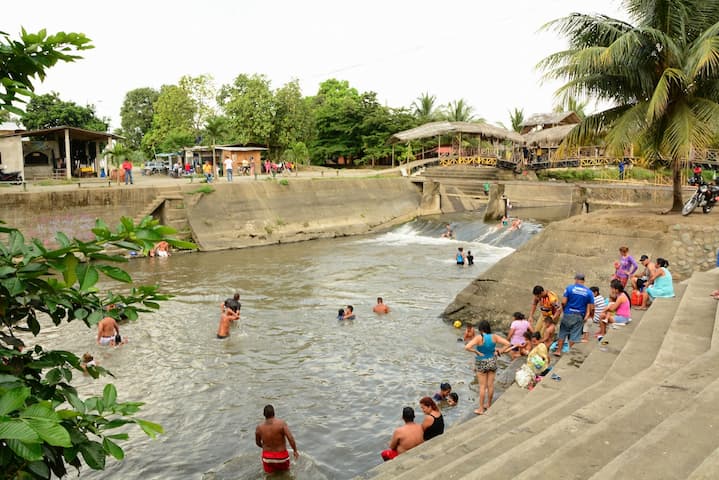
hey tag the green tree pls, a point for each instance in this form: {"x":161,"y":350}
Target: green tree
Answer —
{"x":337,"y":113}
{"x":249,"y":106}
{"x":172,"y":122}
{"x":516,"y":118}
{"x":24,"y":60}
{"x":44,"y":424}
{"x":660,"y":74}
{"x":48,"y":111}
{"x":425,"y":108}
{"x":292,"y":118}
{"x":202,"y":91}
{"x":136,"y":114}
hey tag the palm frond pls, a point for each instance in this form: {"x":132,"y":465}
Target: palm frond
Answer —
{"x":703,"y":58}
{"x":672,"y":78}
{"x":625,"y":128}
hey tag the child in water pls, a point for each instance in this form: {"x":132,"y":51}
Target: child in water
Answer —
{"x":470,"y":258}
{"x":87,"y":361}
{"x":340,"y":314}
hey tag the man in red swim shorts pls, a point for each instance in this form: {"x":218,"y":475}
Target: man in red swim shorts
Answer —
{"x":270,"y":436}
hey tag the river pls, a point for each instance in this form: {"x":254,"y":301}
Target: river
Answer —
{"x":340,"y":386}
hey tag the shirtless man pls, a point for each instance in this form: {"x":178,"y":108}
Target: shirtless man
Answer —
{"x":639,"y":282}
{"x":549,"y":306}
{"x":381,"y":307}
{"x":226,"y":318}
{"x":270,"y":436}
{"x":107,"y":330}
{"x":405,"y":437}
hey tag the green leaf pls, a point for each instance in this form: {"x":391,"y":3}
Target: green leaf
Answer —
{"x":16,"y":242}
{"x":17,"y":429}
{"x":95,"y":317}
{"x":14,"y":286}
{"x":115,"y":273}
{"x":53,"y":377}
{"x":75,"y":401}
{"x":119,"y":436}
{"x":113,"y":449}
{"x":108,"y":258}
{"x":31,"y":452}
{"x":33,"y":324}
{"x":109,"y":395}
{"x":42,"y":410}
{"x":5,"y":271}
{"x":40,"y":469}
{"x":13,"y":399}
{"x":181,"y":244}
{"x":94,"y":455}
{"x":68,"y":272}
{"x":62,"y":239}
{"x":87,"y":276}
{"x":51,"y":432}
{"x":151,"y":429}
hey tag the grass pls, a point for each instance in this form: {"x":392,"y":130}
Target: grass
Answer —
{"x":599,"y":174}
{"x":202,"y":189}
{"x":284,"y":182}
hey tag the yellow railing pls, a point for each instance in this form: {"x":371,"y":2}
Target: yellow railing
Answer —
{"x":486,"y":161}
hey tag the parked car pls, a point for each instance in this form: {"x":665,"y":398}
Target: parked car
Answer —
{"x":153,"y":167}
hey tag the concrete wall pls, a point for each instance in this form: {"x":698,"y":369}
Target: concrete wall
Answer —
{"x":41,"y":214}
{"x":265,"y":212}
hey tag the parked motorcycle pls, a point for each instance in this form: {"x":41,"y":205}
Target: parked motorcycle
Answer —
{"x":705,"y":197}
{"x":12,"y":177}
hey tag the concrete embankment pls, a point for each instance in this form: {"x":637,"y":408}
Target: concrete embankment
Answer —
{"x":587,"y":244}
{"x":261,"y":213}
{"x":232,"y":215}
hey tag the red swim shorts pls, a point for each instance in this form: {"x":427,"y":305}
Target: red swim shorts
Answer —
{"x":275,"y":461}
{"x":389,"y":454}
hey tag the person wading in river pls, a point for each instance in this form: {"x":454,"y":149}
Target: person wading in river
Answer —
{"x":271,"y":436}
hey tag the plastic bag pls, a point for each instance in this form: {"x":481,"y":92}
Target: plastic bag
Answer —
{"x":524,"y":377}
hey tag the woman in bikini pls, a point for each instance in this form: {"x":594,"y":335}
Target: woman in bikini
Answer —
{"x":484,"y":346}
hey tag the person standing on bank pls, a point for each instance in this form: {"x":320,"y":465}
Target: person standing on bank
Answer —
{"x":484,"y":346}
{"x":578,"y":306}
{"x":228,"y":169}
{"x":271,"y":436}
{"x":127,"y":168}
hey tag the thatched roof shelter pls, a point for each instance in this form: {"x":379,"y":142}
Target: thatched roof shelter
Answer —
{"x":548,"y":136}
{"x":549,"y":120}
{"x":434,"y":129}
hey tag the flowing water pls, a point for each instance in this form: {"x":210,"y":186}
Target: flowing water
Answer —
{"x":340,"y":386}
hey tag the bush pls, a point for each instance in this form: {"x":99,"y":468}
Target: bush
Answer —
{"x":44,"y":425}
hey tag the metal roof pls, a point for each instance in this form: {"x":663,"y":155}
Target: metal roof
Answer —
{"x":77,"y":133}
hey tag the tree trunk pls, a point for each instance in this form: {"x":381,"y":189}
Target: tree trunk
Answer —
{"x":677,"y":201}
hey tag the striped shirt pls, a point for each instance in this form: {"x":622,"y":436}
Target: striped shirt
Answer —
{"x":600,"y":304}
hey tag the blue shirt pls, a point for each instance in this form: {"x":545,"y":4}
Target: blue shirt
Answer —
{"x":578,"y":297}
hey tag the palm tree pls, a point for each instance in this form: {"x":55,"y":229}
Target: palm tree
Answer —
{"x":215,"y":128}
{"x":659,"y":74}
{"x":459,"y":111}
{"x":516,"y":117}
{"x":423,"y":108}
{"x":571,"y":104}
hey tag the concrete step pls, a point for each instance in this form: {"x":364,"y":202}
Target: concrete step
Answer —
{"x":628,"y":411}
{"x":708,"y":469}
{"x":502,"y":459}
{"x":655,"y":454}
{"x":518,"y":407}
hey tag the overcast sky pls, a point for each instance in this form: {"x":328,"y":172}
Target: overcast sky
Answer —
{"x":483,"y":51}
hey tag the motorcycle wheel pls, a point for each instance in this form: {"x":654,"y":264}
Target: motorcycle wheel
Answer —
{"x":690,"y":205}
{"x":19,"y":180}
{"x":707,"y":208}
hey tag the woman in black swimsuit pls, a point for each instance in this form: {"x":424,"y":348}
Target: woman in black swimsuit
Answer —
{"x":433,"y":423}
